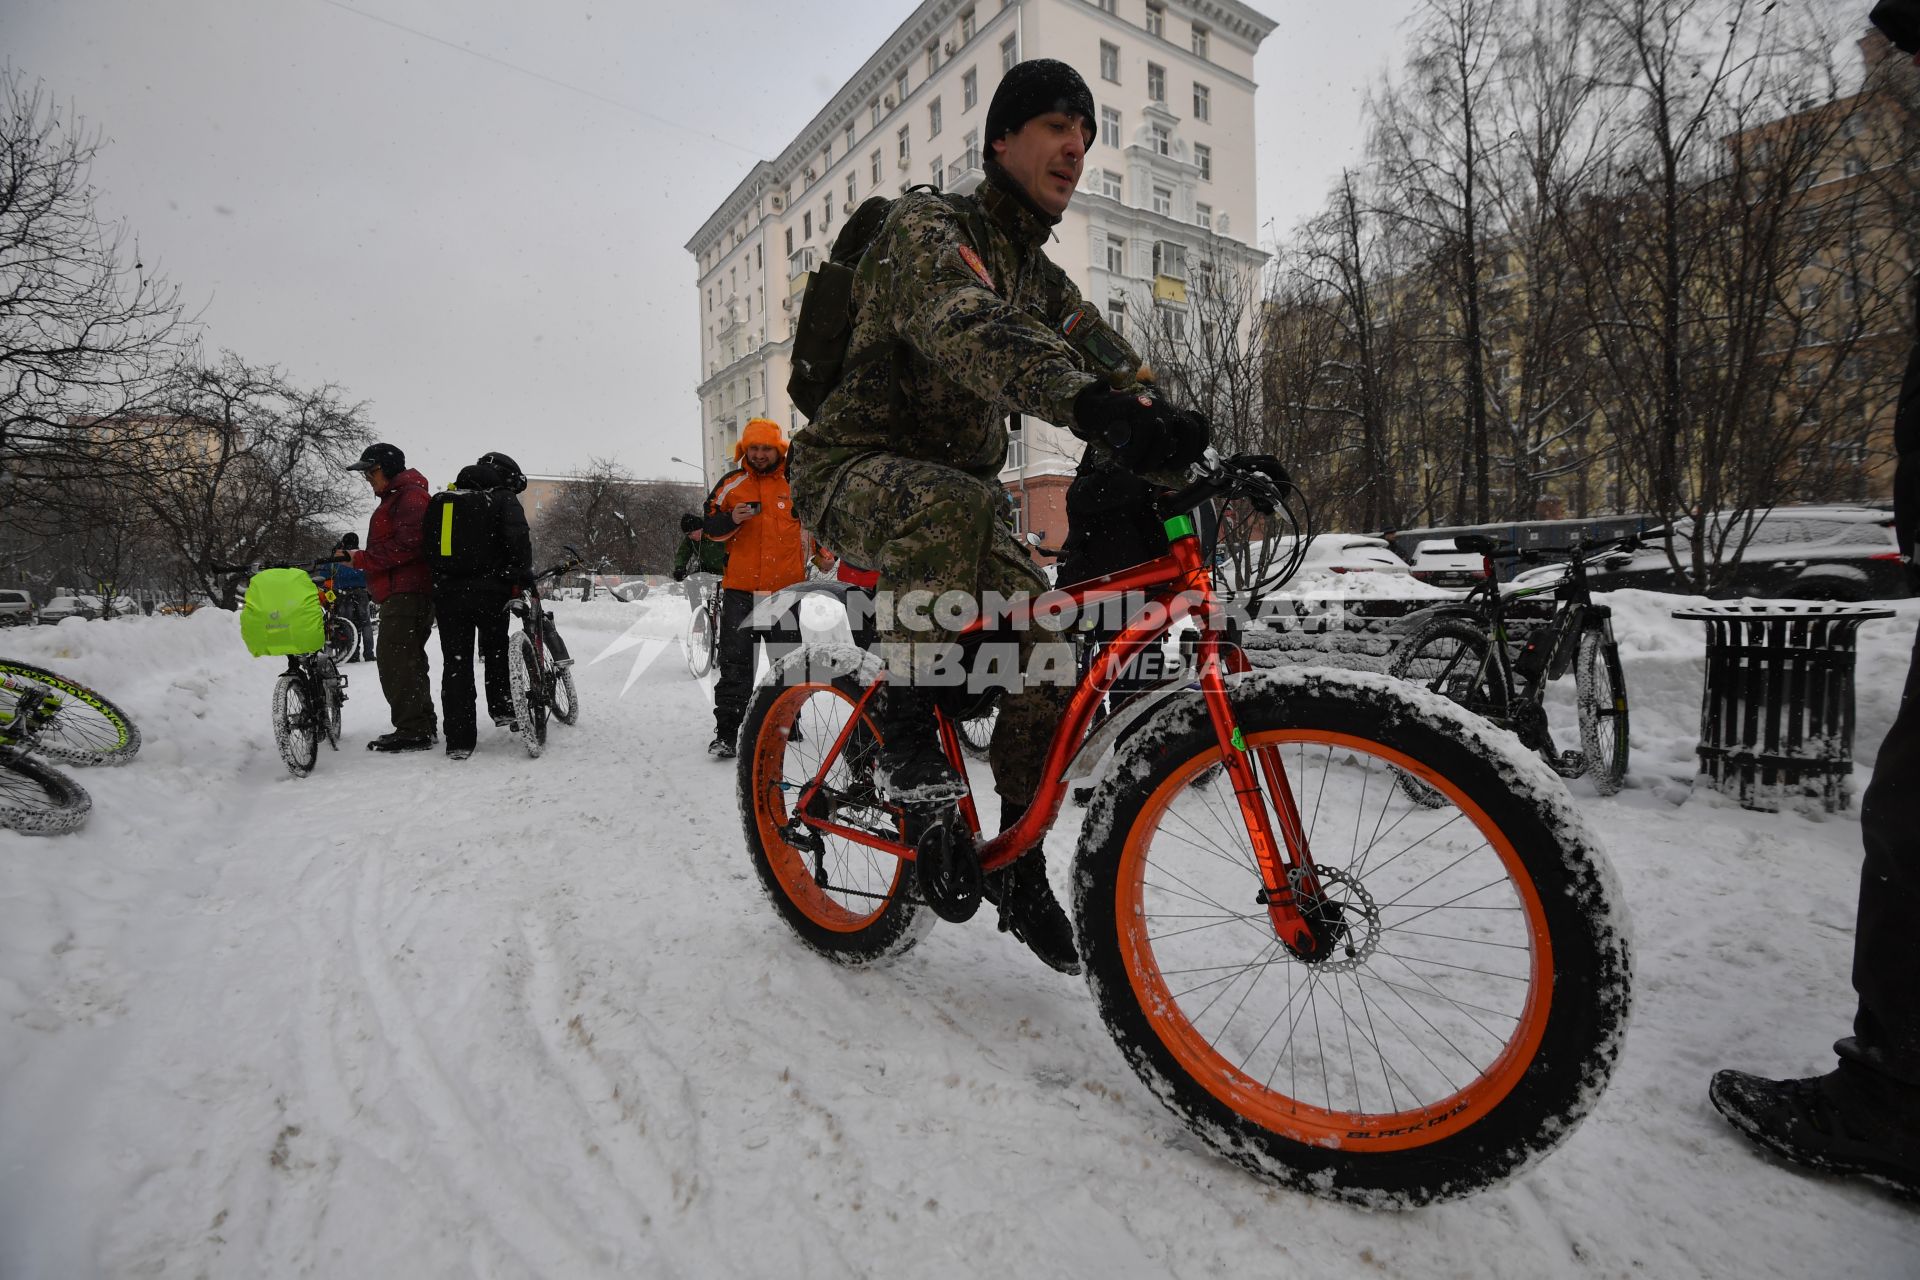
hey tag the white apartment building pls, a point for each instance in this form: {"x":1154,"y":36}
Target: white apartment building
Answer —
{"x":1168,"y":190}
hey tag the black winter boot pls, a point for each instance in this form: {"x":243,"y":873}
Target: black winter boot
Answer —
{"x":911,"y":768}
{"x":1028,"y":909}
{"x":1836,"y":1123}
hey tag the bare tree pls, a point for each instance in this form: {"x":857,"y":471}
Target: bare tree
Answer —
{"x":85,"y":337}
{"x":262,"y":469}
{"x":611,"y":518}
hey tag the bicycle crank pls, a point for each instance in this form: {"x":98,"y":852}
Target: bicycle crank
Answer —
{"x":947,"y":866}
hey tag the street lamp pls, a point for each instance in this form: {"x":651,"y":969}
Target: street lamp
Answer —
{"x":701,"y":469}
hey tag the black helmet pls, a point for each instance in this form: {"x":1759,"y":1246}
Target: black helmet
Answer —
{"x":386,"y":457}
{"x":689,"y":522}
{"x":349,"y":541}
{"x":511,"y":476}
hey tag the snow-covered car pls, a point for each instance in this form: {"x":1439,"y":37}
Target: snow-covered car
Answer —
{"x":62,"y":607}
{"x":632,"y":591}
{"x":1441,"y":563}
{"x":16,"y":608}
{"x":1796,"y":553}
{"x":1351,"y":553}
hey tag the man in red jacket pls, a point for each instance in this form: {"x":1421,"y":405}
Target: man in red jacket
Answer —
{"x":395,"y":563}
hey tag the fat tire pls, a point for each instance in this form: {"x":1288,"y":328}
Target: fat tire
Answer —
{"x":1581,"y":1025}
{"x":298,"y":725}
{"x":529,"y":708}
{"x":52,"y":804}
{"x":125,"y":749}
{"x":566,"y":697}
{"x":1603,"y":737}
{"x":892,"y":929}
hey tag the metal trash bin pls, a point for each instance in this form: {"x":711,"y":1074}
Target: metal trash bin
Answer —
{"x":1776,"y":712}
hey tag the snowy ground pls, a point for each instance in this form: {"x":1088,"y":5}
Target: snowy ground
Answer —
{"x":513,"y":1017}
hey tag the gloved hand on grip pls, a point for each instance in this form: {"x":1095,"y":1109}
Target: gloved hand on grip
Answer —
{"x":1269,"y":466}
{"x":1145,"y":433}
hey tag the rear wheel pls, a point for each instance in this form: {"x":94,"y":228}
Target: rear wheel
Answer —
{"x":699,"y":644}
{"x":76,"y":725}
{"x":1474,"y":991}
{"x":529,"y":703}
{"x":336,"y":697}
{"x":976,"y":735}
{"x":342,"y":638}
{"x":1603,"y":712}
{"x":36,"y":799}
{"x":862,"y":912}
{"x":299,"y":722}
{"x":1449,"y":656}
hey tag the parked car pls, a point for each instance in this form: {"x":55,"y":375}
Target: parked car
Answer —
{"x":16,"y":608}
{"x":1796,"y":553}
{"x":1441,"y":563}
{"x":62,"y":607}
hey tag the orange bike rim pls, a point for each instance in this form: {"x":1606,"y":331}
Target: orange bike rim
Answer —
{"x":792,"y":867}
{"x":1272,"y":1109}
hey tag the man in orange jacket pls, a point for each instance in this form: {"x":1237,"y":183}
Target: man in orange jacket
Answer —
{"x":751,"y":511}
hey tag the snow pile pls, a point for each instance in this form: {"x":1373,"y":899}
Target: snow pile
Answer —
{"x":518,"y":1017}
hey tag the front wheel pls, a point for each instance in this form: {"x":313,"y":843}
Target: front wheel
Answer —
{"x":566,"y":697}
{"x":1603,"y":712}
{"x":1472,"y":992}
{"x":74,"y":724}
{"x":699,"y":644}
{"x":529,"y":702}
{"x":299,"y":722}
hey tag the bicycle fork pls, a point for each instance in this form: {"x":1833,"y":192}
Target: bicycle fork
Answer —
{"x":1290,"y":890}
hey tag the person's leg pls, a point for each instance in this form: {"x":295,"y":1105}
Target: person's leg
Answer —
{"x":735,"y":685}
{"x":457,"y":626}
{"x":406,"y":620}
{"x":491,"y":627}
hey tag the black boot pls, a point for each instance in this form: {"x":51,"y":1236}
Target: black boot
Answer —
{"x":1837,"y":1123}
{"x":1028,"y":909}
{"x":911,"y":768}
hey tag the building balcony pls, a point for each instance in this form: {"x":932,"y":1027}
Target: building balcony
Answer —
{"x":966,"y":174}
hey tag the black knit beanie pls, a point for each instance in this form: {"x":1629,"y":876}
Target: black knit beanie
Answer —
{"x":1034,"y":88}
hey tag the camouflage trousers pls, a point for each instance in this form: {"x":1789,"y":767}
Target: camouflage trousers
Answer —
{"x":930,"y":528}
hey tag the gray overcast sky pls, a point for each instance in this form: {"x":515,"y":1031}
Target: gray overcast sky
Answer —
{"x":492,"y":259}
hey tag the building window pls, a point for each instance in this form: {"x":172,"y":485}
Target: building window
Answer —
{"x":1110,"y":62}
{"x":806,"y":225}
{"x":903,"y":146}
{"x":1106,"y":6}
{"x":1009,"y":53}
{"x":1116,"y":255}
{"x":1016,"y":452}
{"x":848,"y":148}
{"x":876,"y":169}
{"x":1855,"y":166}
{"x":826,"y":214}
{"x":1851,"y":127}
{"x":966,"y":26}
{"x":1203,"y":214}
{"x":1156,"y":82}
{"x":1162,"y":201}
{"x":874,"y":107}
{"x":1203,"y":156}
{"x":900,"y":89}
{"x":1202,"y":102}
{"x":1109,"y":184}
{"x":936,"y":173}
{"x":969,"y":90}
{"x":933,"y":118}
{"x":1117,"y":314}
{"x":1162,"y":140}
{"x":1110,"y":126}
{"x":933,"y":60}
{"x":789,"y":254}
{"x":1173,"y":322}
{"x":1156,"y":21}
{"x":1200,"y":40}
{"x":851,"y":193}
{"x":1169,"y":260}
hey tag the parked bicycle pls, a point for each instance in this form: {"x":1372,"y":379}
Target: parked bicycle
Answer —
{"x":45,"y":713}
{"x":703,"y":626}
{"x":1463,"y":651}
{"x":309,"y":694}
{"x":540,"y":676}
{"x":1335,"y":988}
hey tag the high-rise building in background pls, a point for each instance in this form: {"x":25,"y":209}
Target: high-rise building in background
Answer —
{"x":1167,"y":197}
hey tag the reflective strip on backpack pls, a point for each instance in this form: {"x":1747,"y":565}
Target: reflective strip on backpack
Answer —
{"x":446,"y":531}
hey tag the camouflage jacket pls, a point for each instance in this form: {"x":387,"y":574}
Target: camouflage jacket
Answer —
{"x":949,"y":337}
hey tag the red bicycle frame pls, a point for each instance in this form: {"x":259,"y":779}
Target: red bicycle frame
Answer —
{"x":1177,"y":586}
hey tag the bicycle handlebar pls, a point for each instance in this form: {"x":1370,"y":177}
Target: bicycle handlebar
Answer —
{"x":1243,"y":476}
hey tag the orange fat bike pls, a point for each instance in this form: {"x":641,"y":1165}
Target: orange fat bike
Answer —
{"x":1340,"y":989}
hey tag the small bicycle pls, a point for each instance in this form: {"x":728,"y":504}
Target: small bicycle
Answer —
{"x":308,"y":695}
{"x":46,"y":713}
{"x":542,"y":683}
{"x":1338,"y":989}
{"x":703,"y":626}
{"x":1461,"y":651}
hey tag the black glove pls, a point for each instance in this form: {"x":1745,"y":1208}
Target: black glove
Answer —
{"x":679,"y":575}
{"x":1144,"y":432}
{"x":1269,"y":466}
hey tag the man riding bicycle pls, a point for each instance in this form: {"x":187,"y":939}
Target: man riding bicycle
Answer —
{"x":960,"y":318}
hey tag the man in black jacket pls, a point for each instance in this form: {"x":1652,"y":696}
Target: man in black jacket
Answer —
{"x":1863,"y":1117}
{"x":471,"y":603}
